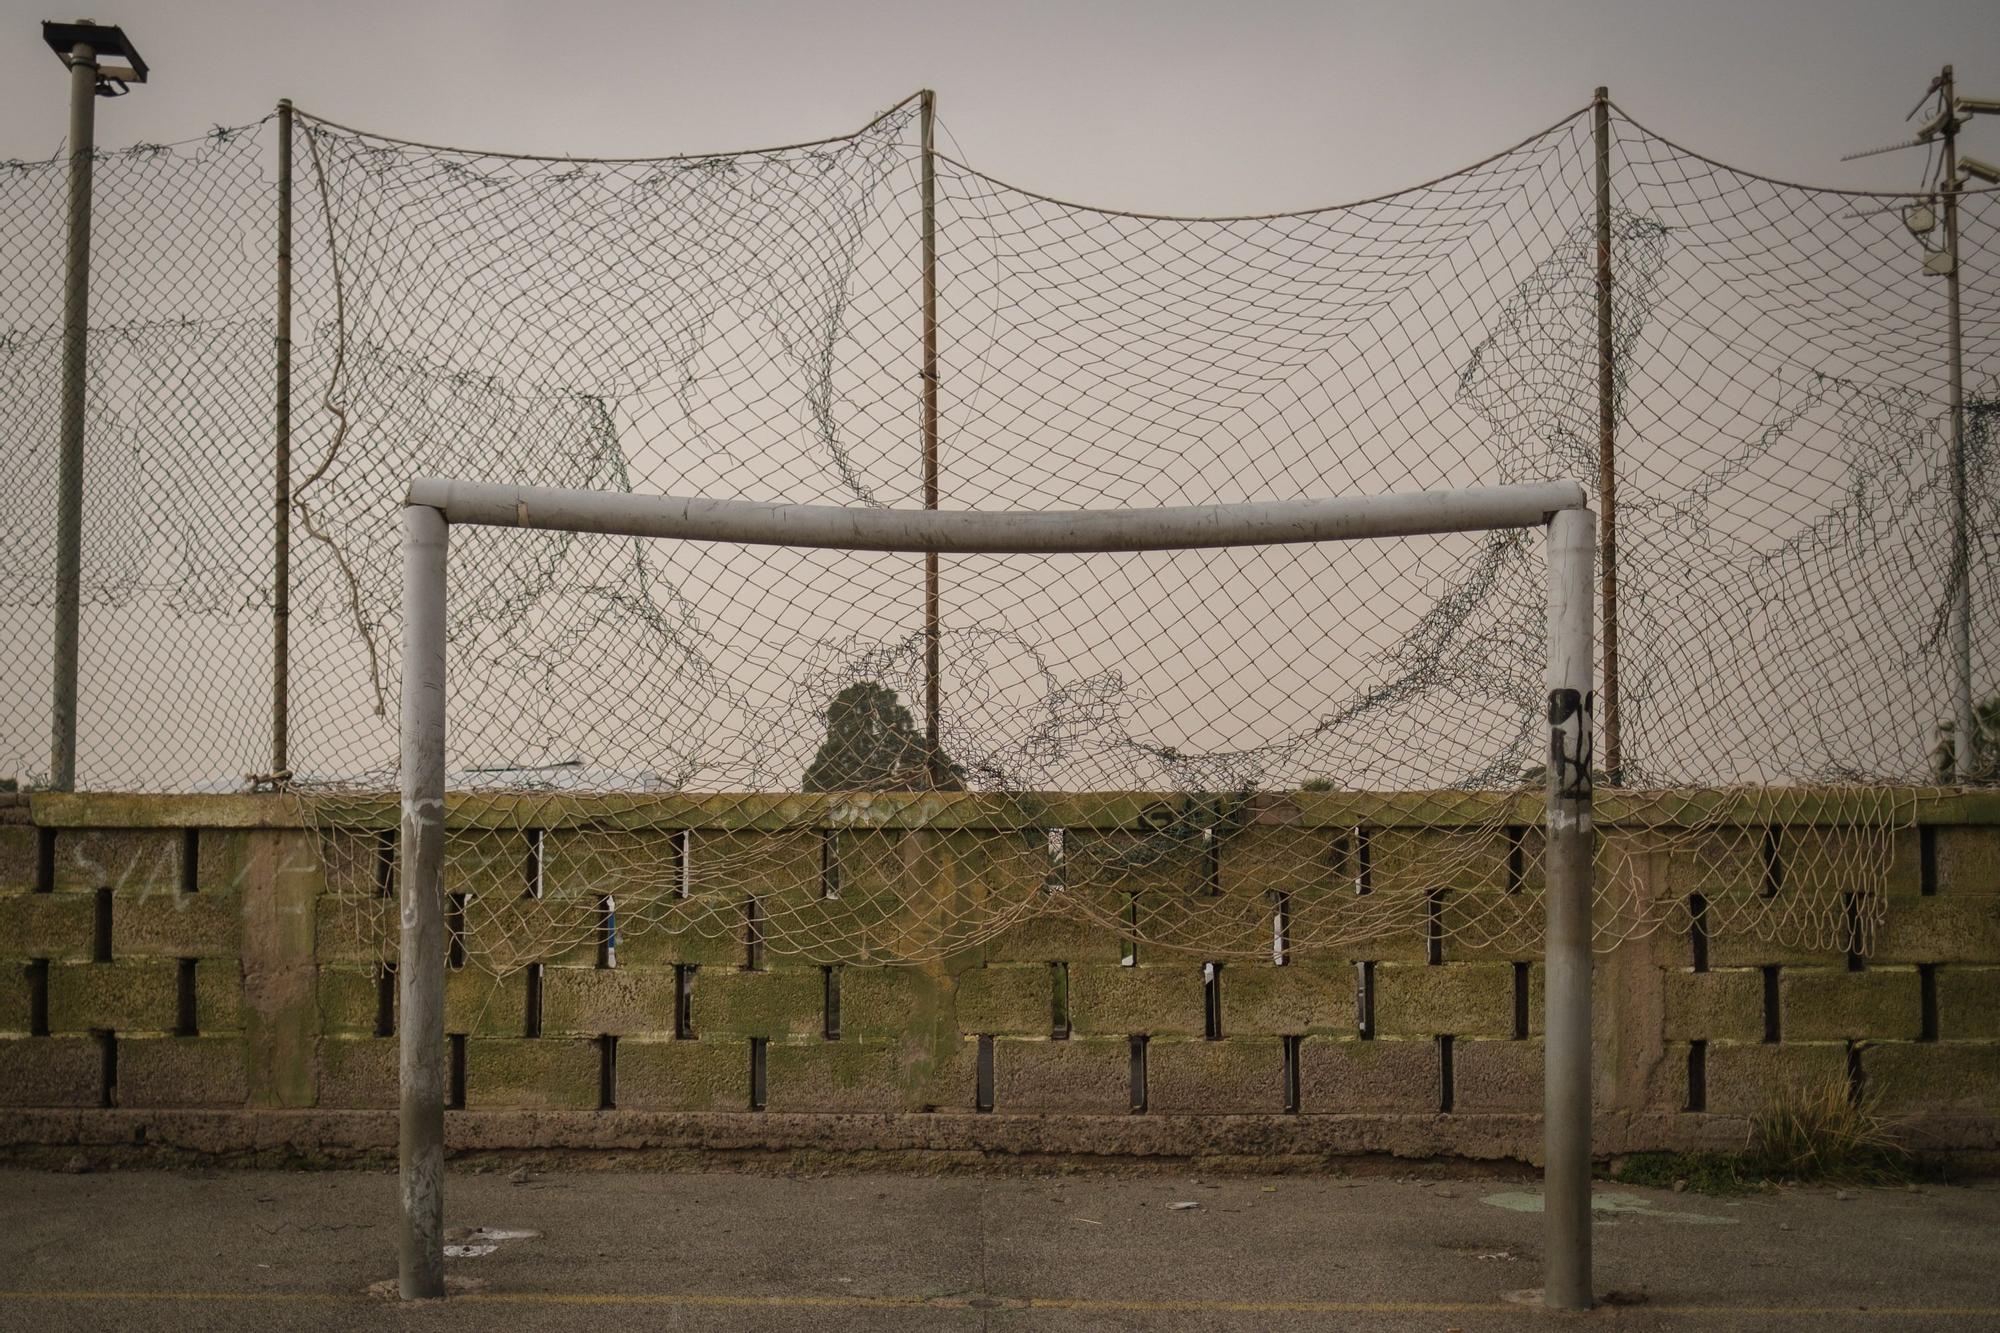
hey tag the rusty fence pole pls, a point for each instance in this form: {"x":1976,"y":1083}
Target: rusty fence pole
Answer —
{"x":933,"y":738}
{"x":1607,"y":453}
{"x":281,"y":573}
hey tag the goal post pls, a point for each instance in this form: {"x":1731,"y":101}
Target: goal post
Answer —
{"x":432,"y":506}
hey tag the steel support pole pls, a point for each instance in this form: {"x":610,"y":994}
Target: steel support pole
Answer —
{"x":1568,"y":868}
{"x":281,"y":573}
{"x":421,"y":961}
{"x":1965,"y":733}
{"x":75,"y":384}
{"x":933,"y":702}
{"x":1607,"y":438}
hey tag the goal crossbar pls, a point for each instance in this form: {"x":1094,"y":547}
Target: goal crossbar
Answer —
{"x":1015,"y":532}
{"x":432,"y":505}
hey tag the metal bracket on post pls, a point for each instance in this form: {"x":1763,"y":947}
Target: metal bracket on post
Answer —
{"x":1571,"y":839}
{"x":421,"y":962}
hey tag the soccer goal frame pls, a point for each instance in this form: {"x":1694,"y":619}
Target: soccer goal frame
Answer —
{"x":432,"y":506}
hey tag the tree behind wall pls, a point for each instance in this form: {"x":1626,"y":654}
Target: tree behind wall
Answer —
{"x":872,"y":745}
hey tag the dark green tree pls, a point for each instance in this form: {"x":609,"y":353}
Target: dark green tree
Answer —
{"x":872,"y":744}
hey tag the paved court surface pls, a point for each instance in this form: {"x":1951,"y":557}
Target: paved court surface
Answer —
{"x":271,"y":1250}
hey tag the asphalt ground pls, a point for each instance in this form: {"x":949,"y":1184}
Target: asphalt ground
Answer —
{"x":241,"y":1249}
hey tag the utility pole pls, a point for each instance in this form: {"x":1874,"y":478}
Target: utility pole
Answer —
{"x":81,"y":46}
{"x":1952,"y":112}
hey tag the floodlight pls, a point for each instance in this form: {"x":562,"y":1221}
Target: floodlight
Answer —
{"x":106,"y":39}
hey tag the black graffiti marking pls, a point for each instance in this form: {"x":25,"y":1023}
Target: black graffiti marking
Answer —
{"x":1571,"y":752}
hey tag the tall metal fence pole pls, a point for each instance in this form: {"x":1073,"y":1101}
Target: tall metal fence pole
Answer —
{"x":421,"y":959}
{"x":1965,"y":734}
{"x":75,"y":377}
{"x":1607,"y":454}
{"x":933,"y":739}
{"x":1571,"y":836}
{"x":281,"y":573}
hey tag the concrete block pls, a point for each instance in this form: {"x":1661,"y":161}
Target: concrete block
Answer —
{"x":1303,"y":996}
{"x":20,"y":858}
{"x":229,"y":862}
{"x":1825,"y":1004}
{"x":1744,"y":1079}
{"x":348,"y":998}
{"x":712,"y":933}
{"x":1723,"y":1005}
{"x":1162,"y":999}
{"x":1054,"y":937}
{"x":1235,"y":1076}
{"x":835,"y":1076}
{"x":1719,"y":864}
{"x":487,"y":863}
{"x":1497,"y":1076}
{"x":128,"y":860}
{"x":585,"y":863}
{"x":50,"y":1071}
{"x":1455,"y":999}
{"x":1419,"y":860}
{"x":1345,"y":1076}
{"x":480,"y":1003}
{"x":784,"y":1002}
{"x":1099,"y":862}
{"x":1081,"y":1075}
{"x":181,"y":1071}
{"x":1482,"y":925}
{"x":734,"y":864}
{"x":1947,"y":928}
{"x":140,"y":995}
{"x":358,"y":1073}
{"x":1013,"y":998}
{"x":220,"y":999}
{"x":357,"y":864}
{"x":1264,"y":860}
{"x":59,"y":926}
{"x":684,"y":1075}
{"x":1934,"y":1077}
{"x":1855,"y":859}
{"x":882,"y":1001}
{"x":508,"y":931}
{"x":1968,"y":1003}
{"x":625,"y":1001}
{"x":355,"y":930}
{"x":551,"y":1073}
{"x":1968,"y":858}
{"x":176,"y":925}
{"x":1757,"y":932}
{"x":15,"y":998}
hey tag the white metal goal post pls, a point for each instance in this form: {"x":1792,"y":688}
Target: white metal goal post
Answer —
{"x":432,"y":506}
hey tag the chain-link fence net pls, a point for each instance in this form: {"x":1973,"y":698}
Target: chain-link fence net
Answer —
{"x":1185,"y":747}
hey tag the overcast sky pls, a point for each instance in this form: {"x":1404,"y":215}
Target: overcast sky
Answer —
{"x":1212,"y":106}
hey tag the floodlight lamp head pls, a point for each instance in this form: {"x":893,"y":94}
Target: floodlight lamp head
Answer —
{"x":1972,"y":167}
{"x":103,"y":39}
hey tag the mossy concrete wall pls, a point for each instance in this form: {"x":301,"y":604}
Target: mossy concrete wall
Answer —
{"x":175,"y":975}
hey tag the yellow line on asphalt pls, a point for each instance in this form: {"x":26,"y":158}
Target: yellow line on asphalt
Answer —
{"x":1078,"y":1304}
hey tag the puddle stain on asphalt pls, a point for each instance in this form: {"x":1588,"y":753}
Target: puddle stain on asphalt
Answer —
{"x":1606,"y":1208}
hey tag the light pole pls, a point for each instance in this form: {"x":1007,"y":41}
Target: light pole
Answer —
{"x":82,"y":45}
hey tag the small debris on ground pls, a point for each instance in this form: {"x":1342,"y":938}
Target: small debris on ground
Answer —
{"x":1183,"y":1206}
{"x":518,"y":1176}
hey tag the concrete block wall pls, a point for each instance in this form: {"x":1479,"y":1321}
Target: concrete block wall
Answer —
{"x":178,"y":966}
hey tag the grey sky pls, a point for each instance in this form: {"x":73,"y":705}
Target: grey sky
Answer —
{"x":1169,"y":105}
